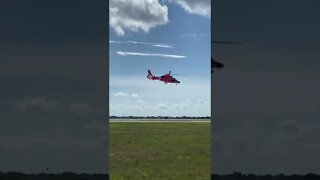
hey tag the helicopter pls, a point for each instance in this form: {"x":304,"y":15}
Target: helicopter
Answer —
{"x":167,"y":78}
{"x":214,"y":63}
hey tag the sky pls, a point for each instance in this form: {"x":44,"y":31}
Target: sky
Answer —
{"x":266,"y":100}
{"x":53,"y":95}
{"x":161,"y":36}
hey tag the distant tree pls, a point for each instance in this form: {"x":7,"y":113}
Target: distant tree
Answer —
{"x":237,"y":174}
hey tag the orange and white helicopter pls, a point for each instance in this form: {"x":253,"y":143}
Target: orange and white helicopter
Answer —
{"x":167,"y":78}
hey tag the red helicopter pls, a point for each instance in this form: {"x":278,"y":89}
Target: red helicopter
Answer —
{"x":167,"y":78}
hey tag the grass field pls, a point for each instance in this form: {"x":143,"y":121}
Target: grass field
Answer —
{"x":159,"y":150}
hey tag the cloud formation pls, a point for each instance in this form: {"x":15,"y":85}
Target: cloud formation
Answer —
{"x":128,"y":15}
{"x":123,"y":94}
{"x":192,"y":35}
{"x":134,"y":95}
{"x":120,"y":94}
{"x":161,"y":45}
{"x":188,"y":107}
{"x":199,"y":7}
{"x":155,"y":98}
{"x":126,"y":53}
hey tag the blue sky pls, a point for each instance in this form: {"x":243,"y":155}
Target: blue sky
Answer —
{"x":160,"y":36}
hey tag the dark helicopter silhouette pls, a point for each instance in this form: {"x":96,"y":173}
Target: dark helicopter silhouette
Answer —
{"x":216,"y":64}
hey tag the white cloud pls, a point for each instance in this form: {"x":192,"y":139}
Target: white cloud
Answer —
{"x":192,"y":35}
{"x":140,"y":102}
{"x":120,"y":94}
{"x":163,"y":108}
{"x":118,"y":42}
{"x":123,"y":94}
{"x":139,"y":42}
{"x":163,"y":105}
{"x":199,"y":7}
{"x":182,"y":105}
{"x":134,"y":95}
{"x":200,"y":102}
{"x":129,"y":15}
{"x":161,"y":45}
{"x":126,"y":53}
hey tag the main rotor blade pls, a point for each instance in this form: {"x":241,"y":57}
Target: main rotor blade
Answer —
{"x":226,"y":42}
{"x":179,"y":74}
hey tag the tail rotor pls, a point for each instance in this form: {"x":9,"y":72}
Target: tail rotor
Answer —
{"x":149,"y":76}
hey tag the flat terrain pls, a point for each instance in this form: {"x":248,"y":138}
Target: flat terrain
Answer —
{"x":160,"y":150}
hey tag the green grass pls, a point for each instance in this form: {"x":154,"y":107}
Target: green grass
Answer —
{"x":163,"y":151}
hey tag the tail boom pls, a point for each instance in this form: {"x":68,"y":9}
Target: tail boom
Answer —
{"x":150,"y":76}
